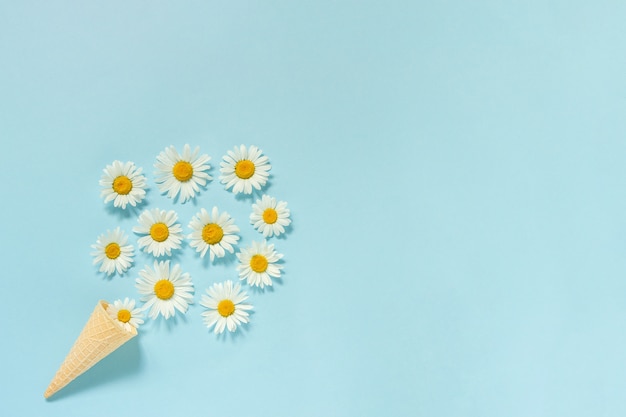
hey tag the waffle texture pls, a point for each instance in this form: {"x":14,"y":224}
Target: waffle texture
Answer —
{"x":100,"y":336}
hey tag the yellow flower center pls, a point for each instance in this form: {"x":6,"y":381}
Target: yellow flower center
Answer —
{"x":258,"y":263}
{"x":183,"y":171}
{"x":112,"y":250}
{"x":164,"y":289}
{"x":225,"y":308}
{"x":122,"y":185}
{"x":123,"y":316}
{"x":270,"y":216}
{"x":212,"y":233}
{"x":159,"y":232}
{"x":244,"y":169}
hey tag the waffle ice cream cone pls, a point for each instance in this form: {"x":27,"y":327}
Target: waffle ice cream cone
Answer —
{"x":101,"y":335}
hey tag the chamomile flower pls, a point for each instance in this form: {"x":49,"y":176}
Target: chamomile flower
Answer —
{"x":164,"y":289}
{"x":269,"y":217}
{"x":123,"y":184}
{"x":125,"y":313}
{"x":112,"y":252}
{"x":244,"y":168}
{"x":182,"y":174}
{"x":213,"y":232}
{"x":161,"y":230}
{"x":225,"y":308}
{"x":258,"y":264}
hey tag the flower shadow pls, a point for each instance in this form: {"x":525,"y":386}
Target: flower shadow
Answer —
{"x":256,"y":194}
{"x":114,"y":275}
{"x":194,"y":201}
{"x":240,"y":333}
{"x":128,"y":212}
{"x":287,"y":232}
{"x":256,"y":290}
{"x":169,"y":324}
{"x":174,"y":257}
{"x":226,"y":260}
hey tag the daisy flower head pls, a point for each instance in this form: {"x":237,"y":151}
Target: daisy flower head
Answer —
{"x":258,"y":264}
{"x":112,"y":252}
{"x":270,"y":217}
{"x":244,"y":168}
{"x":182,"y":174}
{"x":161,"y":232}
{"x":125,"y":313}
{"x":123,"y":184}
{"x":164,"y":289}
{"x":225,"y":308}
{"x":214,"y":232}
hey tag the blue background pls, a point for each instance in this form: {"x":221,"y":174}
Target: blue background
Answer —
{"x":455,"y":172}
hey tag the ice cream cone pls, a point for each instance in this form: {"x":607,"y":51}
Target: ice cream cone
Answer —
{"x":100,"y":336}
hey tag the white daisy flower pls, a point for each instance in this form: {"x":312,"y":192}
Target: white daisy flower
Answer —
{"x":244,"y":168}
{"x":182,"y":174}
{"x":162,"y":233}
{"x":125,"y":313}
{"x":112,"y":252}
{"x":269,"y":217}
{"x":164,"y":290}
{"x":258,"y":264}
{"x":123,"y":184}
{"x":213,"y":231}
{"x":225,"y":308}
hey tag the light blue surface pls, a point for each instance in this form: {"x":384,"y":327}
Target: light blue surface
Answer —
{"x":455,"y":172}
